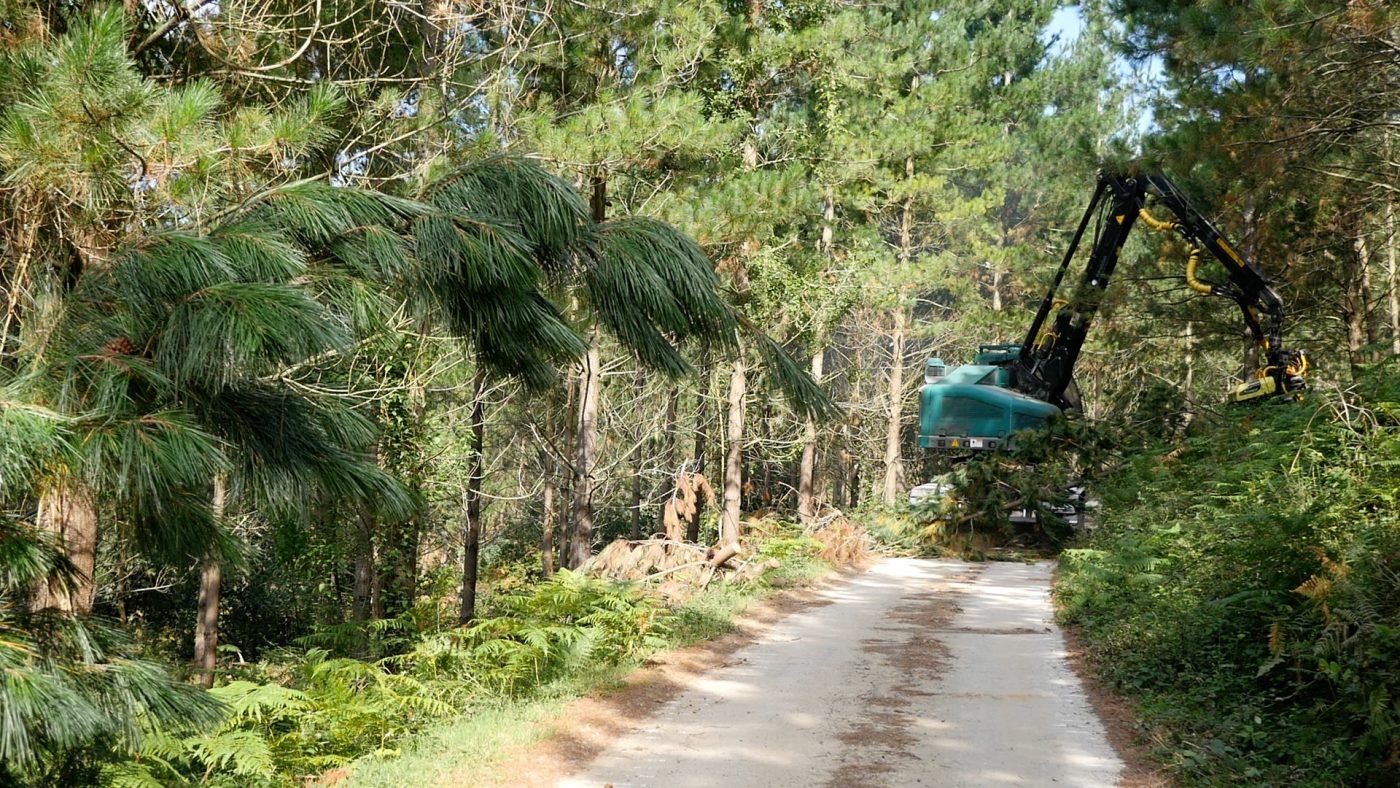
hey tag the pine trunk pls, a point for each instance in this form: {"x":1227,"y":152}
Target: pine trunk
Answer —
{"x":361,"y":605}
{"x":1188,"y":382}
{"x":68,"y":514}
{"x":581,"y":540}
{"x":853,"y":486}
{"x":635,"y":529}
{"x":1368,"y":296}
{"x":1392,"y":286}
{"x":807,"y":471}
{"x":206,"y":628}
{"x":471,"y":552}
{"x":838,"y":479}
{"x":702,"y":427}
{"x":734,"y":453}
{"x":666,"y":488}
{"x":569,"y":448}
{"x":894,"y":462}
{"x":550,"y":494}
{"x":1356,"y":308}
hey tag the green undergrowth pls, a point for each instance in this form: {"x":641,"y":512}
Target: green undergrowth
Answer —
{"x":1242,"y":586}
{"x":437,"y":700}
{"x":469,"y":744}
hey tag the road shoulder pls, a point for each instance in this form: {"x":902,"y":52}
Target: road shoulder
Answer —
{"x":585,"y":727}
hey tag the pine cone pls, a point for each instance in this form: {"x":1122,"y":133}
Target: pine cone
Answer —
{"x":120,"y":346}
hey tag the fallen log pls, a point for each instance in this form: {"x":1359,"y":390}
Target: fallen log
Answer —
{"x":721,"y":555}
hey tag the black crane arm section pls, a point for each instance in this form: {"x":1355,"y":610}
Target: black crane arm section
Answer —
{"x":1044,"y":368}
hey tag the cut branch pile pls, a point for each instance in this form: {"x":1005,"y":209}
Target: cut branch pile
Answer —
{"x":680,"y":567}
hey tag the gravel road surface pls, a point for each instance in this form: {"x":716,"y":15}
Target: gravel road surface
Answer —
{"x":919,"y":672}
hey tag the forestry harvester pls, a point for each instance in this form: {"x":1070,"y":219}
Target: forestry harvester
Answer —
{"x":1013,"y":387}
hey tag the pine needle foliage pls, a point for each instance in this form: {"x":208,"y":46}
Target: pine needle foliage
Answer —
{"x":74,"y":692}
{"x":516,"y":193}
{"x":652,"y":287}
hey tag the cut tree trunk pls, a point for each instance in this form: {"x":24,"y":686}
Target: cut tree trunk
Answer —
{"x":894,"y":461}
{"x":67,"y":512}
{"x":206,"y":627}
{"x":807,"y":471}
{"x":581,"y":541}
{"x":734,"y":453}
{"x":471,"y":552}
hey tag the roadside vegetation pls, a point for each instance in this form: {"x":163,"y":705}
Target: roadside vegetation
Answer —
{"x":1242,"y":586}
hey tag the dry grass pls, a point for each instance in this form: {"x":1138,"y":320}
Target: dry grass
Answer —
{"x":843,"y":542}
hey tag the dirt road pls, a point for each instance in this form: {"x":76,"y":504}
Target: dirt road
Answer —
{"x":937,"y":673}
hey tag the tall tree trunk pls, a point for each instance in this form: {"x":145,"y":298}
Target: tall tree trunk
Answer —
{"x":365,"y":568}
{"x":590,"y":381}
{"x":581,"y":544}
{"x":471,"y":553}
{"x":569,"y":449}
{"x":853,"y":486}
{"x":761,"y":495}
{"x":667,"y":487}
{"x":838,"y":479}
{"x":1368,"y":297}
{"x":635,"y":529}
{"x":1356,"y":307}
{"x":1188,"y":382}
{"x":361,"y":605}
{"x":206,"y":627}
{"x":807,"y":471}
{"x":807,"y":467}
{"x":702,"y":433}
{"x":547,"y":537}
{"x":550,"y":493}
{"x":734,"y":453}
{"x":1392,"y":286}
{"x":894,"y":461}
{"x":67,"y":512}
{"x":850,"y":468}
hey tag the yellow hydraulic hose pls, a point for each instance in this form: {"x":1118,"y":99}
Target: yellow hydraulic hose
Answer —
{"x":1192,"y":262}
{"x":1155,"y":223}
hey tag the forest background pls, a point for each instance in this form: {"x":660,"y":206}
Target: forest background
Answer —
{"x":324,"y":316}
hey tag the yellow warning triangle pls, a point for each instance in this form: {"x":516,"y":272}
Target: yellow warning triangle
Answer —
{"x":1119,"y":218}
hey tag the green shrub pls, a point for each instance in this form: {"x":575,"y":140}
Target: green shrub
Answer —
{"x":309,"y":711}
{"x":1244,"y":587}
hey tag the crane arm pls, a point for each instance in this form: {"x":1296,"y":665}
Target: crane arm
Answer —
{"x":1044,"y":367}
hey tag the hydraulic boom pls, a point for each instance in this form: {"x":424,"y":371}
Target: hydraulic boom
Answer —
{"x":1014,"y":387}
